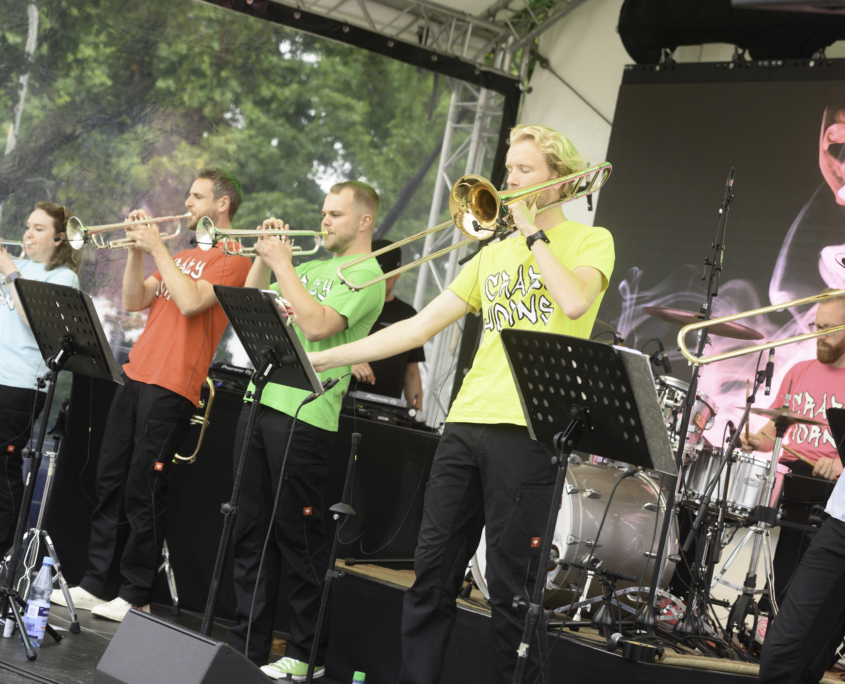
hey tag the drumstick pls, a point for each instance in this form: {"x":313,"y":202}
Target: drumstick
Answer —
{"x":791,"y":451}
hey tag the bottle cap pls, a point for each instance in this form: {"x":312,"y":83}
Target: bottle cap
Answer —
{"x":359,"y":676}
{"x":48,"y":560}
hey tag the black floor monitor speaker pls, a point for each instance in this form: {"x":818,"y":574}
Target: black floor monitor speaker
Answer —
{"x":148,"y":649}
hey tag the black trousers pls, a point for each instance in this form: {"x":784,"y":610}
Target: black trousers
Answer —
{"x":482,"y":474}
{"x":19,"y":408}
{"x":146,"y":426}
{"x":801,"y":640}
{"x":297,"y":535}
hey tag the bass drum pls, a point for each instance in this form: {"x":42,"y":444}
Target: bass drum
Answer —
{"x":632,"y":530}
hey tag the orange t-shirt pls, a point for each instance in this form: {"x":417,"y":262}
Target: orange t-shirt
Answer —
{"x":175,"y":351}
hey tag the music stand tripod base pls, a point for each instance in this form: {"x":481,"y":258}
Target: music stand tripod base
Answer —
{"x":64,"y":323}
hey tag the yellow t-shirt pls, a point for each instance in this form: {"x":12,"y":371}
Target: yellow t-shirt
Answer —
{"x":504,"y":281}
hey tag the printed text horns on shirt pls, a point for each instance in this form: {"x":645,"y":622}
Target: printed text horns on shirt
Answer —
{"x":480,"y":212}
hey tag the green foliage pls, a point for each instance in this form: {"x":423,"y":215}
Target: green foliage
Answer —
{"x":126,"y":101}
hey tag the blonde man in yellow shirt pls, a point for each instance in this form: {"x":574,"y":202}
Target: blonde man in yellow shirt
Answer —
{"x":549,"y":277}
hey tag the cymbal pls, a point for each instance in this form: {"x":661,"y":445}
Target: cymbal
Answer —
{"x":681,"y":318}
{"x":601,"y":325}
{"x":784,"y":416}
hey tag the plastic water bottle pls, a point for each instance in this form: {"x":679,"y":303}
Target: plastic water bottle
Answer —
{"x":358,"y":678}
{"x":38,"y":605}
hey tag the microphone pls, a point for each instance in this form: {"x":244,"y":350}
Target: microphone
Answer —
{"x":770,"y":369}
{"x":632,"y":470}
{"x":193,"y":241}
{"x":667,"y":364}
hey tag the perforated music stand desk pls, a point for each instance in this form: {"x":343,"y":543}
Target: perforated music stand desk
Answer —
{"x":256,"y":317}
{"x":277,"y":356}
{"x":66,"y":328}
{"x":612,"y":386}
{"x":577,"y":393}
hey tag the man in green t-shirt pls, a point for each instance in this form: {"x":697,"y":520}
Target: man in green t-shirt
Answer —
{"x":551,"y":276}
{"x":327,"y":314}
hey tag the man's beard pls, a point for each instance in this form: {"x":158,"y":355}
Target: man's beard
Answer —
{"x":340,"y":243}
{"x":193,"y":222}
{"x":828,"y":353}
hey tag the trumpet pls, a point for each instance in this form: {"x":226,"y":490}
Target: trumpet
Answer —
{"x":79,"y":234}
{"x":199,"y":420}
{"x":480,"y":212}
{"x":704,"y":360}
{"x":15,"y":245}
{"x":209,"y":235}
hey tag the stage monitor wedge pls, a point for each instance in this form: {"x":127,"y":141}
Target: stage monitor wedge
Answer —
{"x":148,"y":649}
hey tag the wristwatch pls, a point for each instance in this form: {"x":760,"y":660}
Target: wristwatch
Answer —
{"x":13,"y":276}
{"x":539,"y":235}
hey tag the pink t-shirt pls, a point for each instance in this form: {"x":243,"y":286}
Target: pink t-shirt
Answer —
{"x":815,"y":388}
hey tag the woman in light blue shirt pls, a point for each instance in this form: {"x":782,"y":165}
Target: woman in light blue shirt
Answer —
{"x":45,"y":260}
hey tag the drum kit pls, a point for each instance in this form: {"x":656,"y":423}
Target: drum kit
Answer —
{"x":628,"y":546}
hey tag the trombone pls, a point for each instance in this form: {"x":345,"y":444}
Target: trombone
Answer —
{"x":209,"y":235}
{"x":480,"y":212}
{"x":79,"y":234}
{"x":199,"y":420}
{"x":15,"y":244}
{"x":704,"y":360}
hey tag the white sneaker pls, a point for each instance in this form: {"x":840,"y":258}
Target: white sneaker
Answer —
{"x":116,"y":610}
{"x":82,"y":600}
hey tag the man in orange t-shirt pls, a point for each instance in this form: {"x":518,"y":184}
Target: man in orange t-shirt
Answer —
{"x":150,"y":413}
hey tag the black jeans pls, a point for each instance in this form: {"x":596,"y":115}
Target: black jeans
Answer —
{"x":801,"y":640}
{"x":297,"y":534}
{"x":482,"y":474}
{"x":146,"y":426}
{"x":19,"y":408}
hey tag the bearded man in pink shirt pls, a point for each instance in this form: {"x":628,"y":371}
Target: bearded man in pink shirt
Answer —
{"x":814,"y":386}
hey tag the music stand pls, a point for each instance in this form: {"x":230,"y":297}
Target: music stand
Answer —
{"x":260,"y":321}
{"x":605,"y":398}
{"x":66,"y":328}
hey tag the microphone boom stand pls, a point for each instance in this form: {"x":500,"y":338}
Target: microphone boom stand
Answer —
{"x":646,"y":616}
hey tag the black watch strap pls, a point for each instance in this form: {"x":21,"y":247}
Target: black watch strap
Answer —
{"x":539,"y":235}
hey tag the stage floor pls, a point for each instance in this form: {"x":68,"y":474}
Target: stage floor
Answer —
{"x":369,"y":598}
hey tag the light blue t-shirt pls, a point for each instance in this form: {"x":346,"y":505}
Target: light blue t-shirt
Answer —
{"x":20,"y":359}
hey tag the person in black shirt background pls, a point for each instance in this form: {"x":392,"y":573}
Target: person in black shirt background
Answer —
{"x":389,"y":377}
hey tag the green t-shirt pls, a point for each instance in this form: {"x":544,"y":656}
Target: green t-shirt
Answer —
{"x":505,"y":282}
{"x":361,"y":310}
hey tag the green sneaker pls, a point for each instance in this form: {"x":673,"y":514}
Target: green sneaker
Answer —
{"x":295,"y":670}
